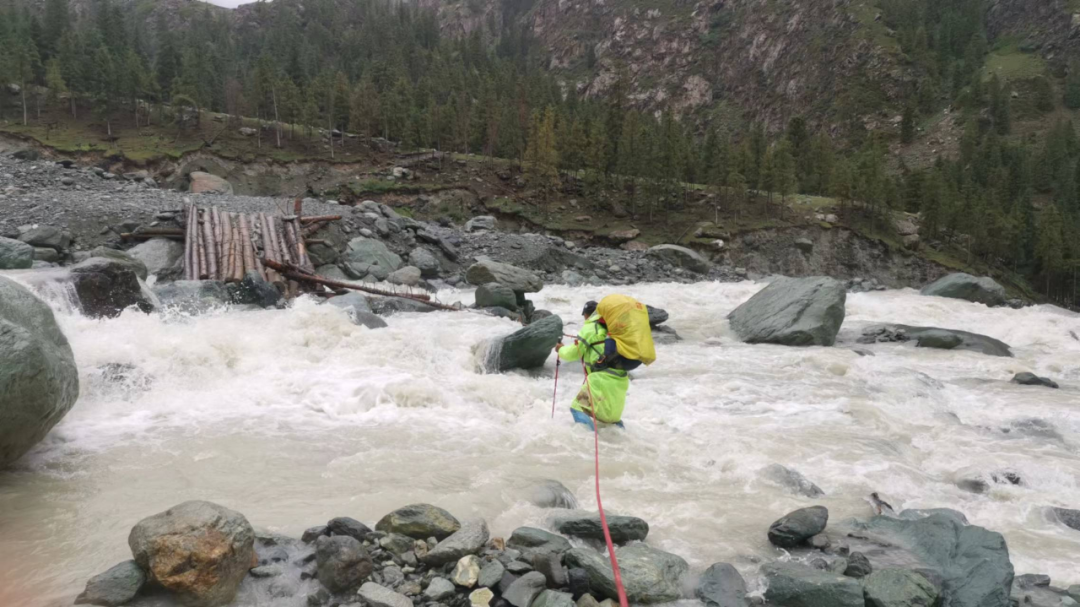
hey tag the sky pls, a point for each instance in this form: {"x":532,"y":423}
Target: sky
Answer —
{"x":229,"y":3}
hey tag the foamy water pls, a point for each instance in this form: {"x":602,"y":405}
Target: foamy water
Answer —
{"x":293,"y":417}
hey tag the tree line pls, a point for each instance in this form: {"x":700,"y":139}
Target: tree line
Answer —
{"x":382,"y":69}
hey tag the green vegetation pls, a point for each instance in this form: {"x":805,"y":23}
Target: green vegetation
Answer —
{"x":1009,"y":63}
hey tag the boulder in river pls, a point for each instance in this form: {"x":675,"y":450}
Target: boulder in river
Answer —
{"x":420,"y":521}
{"x":1030,"y":379}
{"x":115,"y":587}
{"x":193,"y":296}
{"x":207,"y":183}
{"x":39,"y":381}
{"x":587,"y":525}
{"x":551,"y":494}
{"x":15,"y":254}
{"x":106,"y":287}
{"x":798,"y":526}
{"x":158,"y":255}
{"x":796,"y":585}
{"x":792,"y":312}
{"x":426,"y":261}
{"x":526,"y":348}
{"x":984,"y":290}
{"x":469,"y":539}
{"x":47,"y":237}
{"x":938,"y":338}
{"x":485,"y":271}
{"x":722,"y":586}
{"x":530,"y":541}
{"x":254,"y":290}
{"x":791,"y":480}
{"x":898,"y":588}
{"x":494,"y":294}
{"x":388,"y":306}
{"x":1066,"y":516}
{"x":680,"y":257}
{"x":968,"y":564}
{"x":341,"y":562}
{"x":198,"y":551}
{"x":657,"y":316}
{"x":365,"y":256}
{"x":649,"y":575}
{"x":123,"y":258}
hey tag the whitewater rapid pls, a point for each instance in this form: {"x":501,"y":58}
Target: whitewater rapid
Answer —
{"x":296,"y":416}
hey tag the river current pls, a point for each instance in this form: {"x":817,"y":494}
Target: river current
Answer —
{"x":296,"y":416}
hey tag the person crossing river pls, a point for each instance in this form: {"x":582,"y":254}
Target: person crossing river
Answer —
{"x":606,"y":386}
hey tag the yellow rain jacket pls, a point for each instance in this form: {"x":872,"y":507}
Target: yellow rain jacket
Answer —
{"x":608,"y":387}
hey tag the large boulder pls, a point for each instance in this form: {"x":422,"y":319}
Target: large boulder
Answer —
{"x":358,"y":307}
{"x":984,"y":290}
{"x":408,"y":276}
{"x":419,"y":521}
{"x":526,"y":348}
{"x":623,"y":529}
{"x":38,"y":378}
{"x":483,"y":222}
{"x":193,"y":296}
{"x":899,"y":588}
{"x":469,"y":539}
{"x":198,"y":551}
{"x":427,"y":262}
{"x":681,"y":257}
{"x":792,"y":312}
{"x":1027,"y":378}
{"x":791,"y":480}
{"x":206,"y":183}
{"x":485,"y":271}
{"x":106,"y":287}
{"x":969,"y":564}
{"x":495,"y":295}
{"x":15,"y":254}
{"x":365,"y":256}
{"x":47,"y":237}
{"x":937,"y":338}
{"x":795,"y":585}
{"x":254,"y":290}
{"x":798,"y":526}
{"x":122,"y":258}
{"x":341,"y":562}
{"x":525,"y":589}
{"x":530,"y":541}
{"x":158,"y":254}
{"x":388,"y":306}
{"x":722,"y":586}
{"x":115,"y":587}
{"x":649,"y":575}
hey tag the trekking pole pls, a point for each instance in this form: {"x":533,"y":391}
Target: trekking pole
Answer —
{"x":555,"y":393}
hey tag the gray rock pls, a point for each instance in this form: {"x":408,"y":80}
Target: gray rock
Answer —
{"x":798,"y":526}
{"x":351,"y":527}
{"x":794,"y":585}
{"x":255,"y":290}
{"x":526,"y":348}
{"x":332,"y":272}
{"x":342,"y":562}
{"x":408,"y":276}
{"x":46,"y":255}
{"x":420,"y":521}
{"x":804,"y":244}
{"x":1066,"y":516}
{"x":524,"y":589}
{"x":649,"y":575}
{"x":388,"y":306}
{"x":322,"y":255}
{"x":551,"y":493}
{"x":398,"y":544}
{"x":984,"y":290}
{"x":313,"y":533}
{"x":106,"y":287}
{"x":485,"y":271}
{"x":553,"y":598}
{"x":15,"y":254}
{"x":530,"y":541}
{"x":934,"y":337}
{"x":490,"y":574}
{"x":483,"y":222}
{"x":206,"y":183}
{"x":481,"y":597}
{"x":427,"y":262}
{"x":198,"y":551}
{"x":267,"y":571}
{"x":791,"y":480}
{"x":468,"y":539}
{"x":122,"y":258}
{"x":392,"y":576}
{"x":49,"y":237}
{"x":375,"y":595}
{"x":352,"y":300}
{"x":39,"y":381}
{"x":898,"y":588}
{"x":365,"y":256}
{"x":722,"y":586}
{"x":494,"y":294}
{"x":940,"y":339}
{"x":971,"y":563}
{"x":587,"y":525}
{"x":913,"y":514}
{"x":1031,"y":580}
{"x":439,"y":589}
{"x":115,"y":587}
{"x":579,"y":582}
{"x":193,"y":296}
{"x":665,"y":336}
{"x":467,"y":571}
{"x":519,"y":567}
{"x":792,"y":312}
{"x":1030,"y":379}
{"x":657,"y":316}
{"x":551,"y":566}
{"x":158,"y":254}
{"x":681,"y":257}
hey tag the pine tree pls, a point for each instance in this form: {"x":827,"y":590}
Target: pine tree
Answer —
{"x":1072,"y":86}
{"x":736,"y":185}
{"x":71,"y":62}
{"x":56,"y":24}
{"x":1044,"y":94}
{"x":23,"y":64}
{"x":1000,"y":106}
{"x":767,"y":178}
{"x":541,"y":157}
{"x":54,"y":81}
{"x":907,"y":125}
{"x":786,"y":178}
{"x":595,"y":158}
{"x":1049,"y":248}
{"x":105,"y":87}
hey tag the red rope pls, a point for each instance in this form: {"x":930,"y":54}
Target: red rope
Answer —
{"x":555,"y":393}
{"x":600,"y":506}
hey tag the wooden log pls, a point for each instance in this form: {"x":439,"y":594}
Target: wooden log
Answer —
{"x":294,"y":273}
{"x":312,"y":228}
{"x":268,"y":249}
{"x":238,"y":251}
{"x":209,"y":246}
{"x":230,"y":229}
{"x":245,"y":245}
{"x":294,"y":246}
{"x":189,"y":244}
{"x":199,"y":249}
{"x":318,"y":218}
{"x":152,"y":232}
{"x":298,"y":206}
{"x":182,"y":236}
{"x":219,"y":237}
{"x":284,"y":252}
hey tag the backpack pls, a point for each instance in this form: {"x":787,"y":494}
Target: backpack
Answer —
{"x":629,"y":342}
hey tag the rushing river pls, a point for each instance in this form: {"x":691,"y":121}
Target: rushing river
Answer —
{"x":293,"y":417}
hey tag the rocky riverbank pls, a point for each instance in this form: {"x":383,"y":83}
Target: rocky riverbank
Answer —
{"x":202,"y":554}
